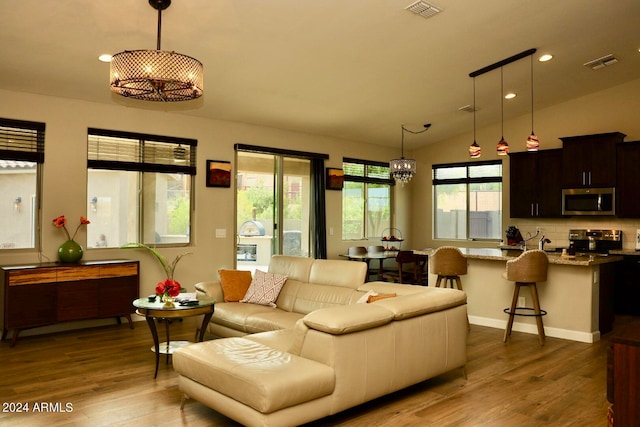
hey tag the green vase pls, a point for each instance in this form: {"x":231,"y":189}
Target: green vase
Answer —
{"x":70,"y":252}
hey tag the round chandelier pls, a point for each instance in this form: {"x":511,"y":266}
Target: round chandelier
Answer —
{"x":156,"y":75}
{"x":402,"y":170}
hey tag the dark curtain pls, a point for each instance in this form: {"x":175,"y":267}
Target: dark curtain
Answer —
{"x":319,"y":207}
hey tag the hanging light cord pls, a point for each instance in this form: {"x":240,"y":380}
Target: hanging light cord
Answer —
{"x":426,"y":128}
{"x":502,"y":100}
{"x":474,"y":109}
{"x":159,"y":27}
{"x":531,"y":94}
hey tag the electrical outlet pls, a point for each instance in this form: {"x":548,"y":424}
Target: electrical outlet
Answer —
{"x":521,"y":302}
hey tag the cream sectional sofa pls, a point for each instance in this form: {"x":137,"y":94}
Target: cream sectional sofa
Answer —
{"x":329,"y":355}
{"x":311,"y":284}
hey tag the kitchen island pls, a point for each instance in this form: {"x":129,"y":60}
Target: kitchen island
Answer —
{"x":578,"y":293}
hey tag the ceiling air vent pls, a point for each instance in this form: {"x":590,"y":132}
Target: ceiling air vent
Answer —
{"x":423,"y":9}
{"x":596,"y":64}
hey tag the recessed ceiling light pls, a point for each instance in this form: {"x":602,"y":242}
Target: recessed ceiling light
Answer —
{"x":546,"y":57}
{"x":105,"y":57}
{"x":510,"y":95}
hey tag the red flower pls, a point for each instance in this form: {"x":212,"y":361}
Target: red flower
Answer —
{"x":174,"y":291}
{"x":160,"y":288}
{"x":169,"y":288}
{"x":61,"y":222}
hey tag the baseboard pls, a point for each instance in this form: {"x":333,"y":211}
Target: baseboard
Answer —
{"x":588,"y":337}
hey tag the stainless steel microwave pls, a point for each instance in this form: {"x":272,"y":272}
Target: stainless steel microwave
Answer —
{"x":589,"y":201}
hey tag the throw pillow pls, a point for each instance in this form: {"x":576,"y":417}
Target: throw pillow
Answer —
{"x":365,"y":298}
{"x":234,"y":284}
{"x":373,"y":298}
{"x":264,"y":288}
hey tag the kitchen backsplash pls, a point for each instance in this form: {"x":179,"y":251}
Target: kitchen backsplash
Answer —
{"x":557,"y":230}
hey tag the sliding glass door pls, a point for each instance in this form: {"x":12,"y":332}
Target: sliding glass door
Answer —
{"x":273,"y":208}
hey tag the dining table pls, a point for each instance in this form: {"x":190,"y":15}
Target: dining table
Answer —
{"x":422,"y":254}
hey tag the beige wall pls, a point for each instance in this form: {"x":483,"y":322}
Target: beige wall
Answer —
{"x":615,"y":109}
{"x":65,"y":168}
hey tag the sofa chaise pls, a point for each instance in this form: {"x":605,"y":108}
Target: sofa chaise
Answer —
{"x":320,"y":351}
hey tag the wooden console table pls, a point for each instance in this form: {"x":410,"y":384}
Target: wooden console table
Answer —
{"x":44,"y":294}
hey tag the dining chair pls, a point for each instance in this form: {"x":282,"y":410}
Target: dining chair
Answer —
{"x":376,"y":250}
{"x":407,"y":272}
{"x":357,"y":250}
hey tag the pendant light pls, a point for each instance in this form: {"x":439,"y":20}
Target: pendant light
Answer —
{"x":503,"y":147}
{"x":532,"y":142}
{"x":474,"y":149}
{"x":402,"y":170}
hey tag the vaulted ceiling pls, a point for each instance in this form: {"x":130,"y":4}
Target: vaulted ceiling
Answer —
{"x":355,"y":69}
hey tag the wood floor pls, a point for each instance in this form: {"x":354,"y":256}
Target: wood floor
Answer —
{"x":104,"y":377}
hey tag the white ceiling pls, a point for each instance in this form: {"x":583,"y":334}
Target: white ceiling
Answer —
{"x":352,"y":69}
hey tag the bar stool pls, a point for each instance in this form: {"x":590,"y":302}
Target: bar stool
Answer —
{"x":449,"y":264}
{"x":526,"y":270}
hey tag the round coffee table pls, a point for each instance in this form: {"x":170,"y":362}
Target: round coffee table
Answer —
{"x":157,"y":310}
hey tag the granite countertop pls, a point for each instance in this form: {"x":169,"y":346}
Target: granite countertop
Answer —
{"x":496,"y":254}
{"x":625,"y":252}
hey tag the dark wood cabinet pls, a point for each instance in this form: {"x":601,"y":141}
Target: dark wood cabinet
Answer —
{"x":76,"y":300}
{"x":41,"y":312}
{"x":628,"y":180}
{"x":606,"y":297}
{"x":44,"y":294}
{"x":535,"y":184}
{"x":623,"y":376}
{"x":114,"y":293}
{"x":627,"y":286}
{"x":590,"y":160}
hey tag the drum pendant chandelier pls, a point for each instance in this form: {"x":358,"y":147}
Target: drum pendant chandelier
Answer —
{"x":156,"y":75}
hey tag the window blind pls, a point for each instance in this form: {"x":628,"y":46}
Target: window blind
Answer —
{"x":22,"y":140}
{"x":140,"y":152}
{"x":459,"y":173}
{"x":368,"y":171}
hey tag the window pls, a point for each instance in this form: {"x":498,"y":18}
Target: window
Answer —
{"x":139,"y":188}
{"x":467,"y":200}
{"x":21,"y":157}
{"x":366,"y":199}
